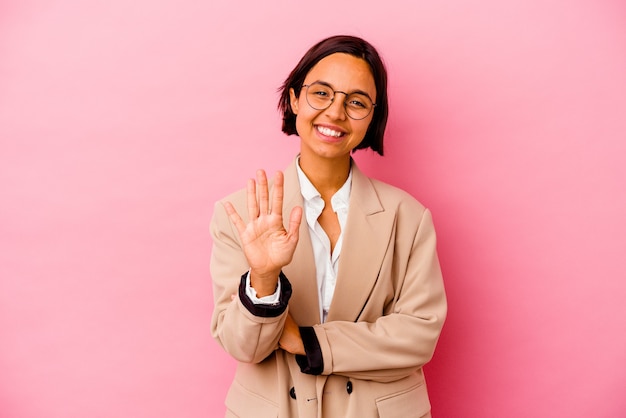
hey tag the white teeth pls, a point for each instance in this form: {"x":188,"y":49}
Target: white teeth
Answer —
{"x":329,"y":132}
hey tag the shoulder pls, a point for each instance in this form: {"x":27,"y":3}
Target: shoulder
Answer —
{"x":237,"y":198}
{"x":220,"y":220}
{"x":375,"y":196}
{"x":395,"y":198}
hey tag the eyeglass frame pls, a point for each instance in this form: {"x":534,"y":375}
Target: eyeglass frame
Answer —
{"x":333,"y":99}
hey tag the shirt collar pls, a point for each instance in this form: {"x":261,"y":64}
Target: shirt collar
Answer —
{"x":340,"y":199}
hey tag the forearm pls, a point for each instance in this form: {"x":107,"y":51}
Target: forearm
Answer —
{"x":247,"y":332}
{"x":388,"y":349}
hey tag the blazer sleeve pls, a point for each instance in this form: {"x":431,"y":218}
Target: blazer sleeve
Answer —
{"x":403,"y":339}
{"x":248,"y":332}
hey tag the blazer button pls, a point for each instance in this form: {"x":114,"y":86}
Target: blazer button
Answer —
{"x":349,"y":387}
{"x":292,"y":392}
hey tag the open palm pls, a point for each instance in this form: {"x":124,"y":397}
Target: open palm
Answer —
{"x":267,"y":245}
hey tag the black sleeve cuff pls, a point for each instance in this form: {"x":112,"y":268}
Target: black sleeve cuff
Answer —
{"x":266,"y":311}
{"x":312,"y":362}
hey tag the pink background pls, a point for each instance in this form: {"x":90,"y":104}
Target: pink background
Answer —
{"x":121,"y":122}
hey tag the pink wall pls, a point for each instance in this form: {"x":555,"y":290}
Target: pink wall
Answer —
{"x":122,"y":122}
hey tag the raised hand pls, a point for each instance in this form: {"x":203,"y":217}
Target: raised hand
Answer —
{"x":267,"y":245}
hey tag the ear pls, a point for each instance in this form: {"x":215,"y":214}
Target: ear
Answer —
{"x":293,"y":101}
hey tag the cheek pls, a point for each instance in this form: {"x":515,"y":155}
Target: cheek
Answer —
{"x":305,"y":116}
{"x":363,"y":127}
{"x":300,"y":124}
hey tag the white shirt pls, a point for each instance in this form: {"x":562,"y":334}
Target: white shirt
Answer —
{"x":326,"y":263}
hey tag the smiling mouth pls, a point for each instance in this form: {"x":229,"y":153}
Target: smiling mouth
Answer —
{"x":329,"y":132}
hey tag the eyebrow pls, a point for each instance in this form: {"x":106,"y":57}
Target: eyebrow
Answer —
{"x":350,"y":92}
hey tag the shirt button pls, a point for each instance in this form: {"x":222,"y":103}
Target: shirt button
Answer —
{"x":292,"y":392}
{"x":349,"y":387}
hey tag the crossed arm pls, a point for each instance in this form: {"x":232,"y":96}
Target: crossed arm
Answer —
{"x":409,"y":329}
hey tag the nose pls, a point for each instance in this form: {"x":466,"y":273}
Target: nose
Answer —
{"x":337,"y":109}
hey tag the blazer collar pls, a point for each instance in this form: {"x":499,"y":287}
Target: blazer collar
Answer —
{"x":304,"y":303}
{"x":365,"y":241}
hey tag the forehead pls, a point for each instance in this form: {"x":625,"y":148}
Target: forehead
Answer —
{"x":343,"y":72}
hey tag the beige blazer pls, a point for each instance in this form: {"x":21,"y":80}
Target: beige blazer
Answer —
{"x":383,"y":324}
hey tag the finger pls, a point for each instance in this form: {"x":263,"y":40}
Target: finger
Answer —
{"x":261,"y":180}
{"x":253,"y":208}
{"x":234,"y":217}
{"x":295,"y":218}
{"x":278,"y":194}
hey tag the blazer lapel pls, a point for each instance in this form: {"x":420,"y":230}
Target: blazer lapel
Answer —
{"x":365,"y":240}
{"x":301,"y":272}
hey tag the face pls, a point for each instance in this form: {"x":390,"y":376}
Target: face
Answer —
{"x":330,"y":133}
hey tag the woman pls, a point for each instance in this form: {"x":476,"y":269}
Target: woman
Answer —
{"x":334,"y":310}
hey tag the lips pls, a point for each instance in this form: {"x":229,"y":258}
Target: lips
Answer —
{"x":324,"y":130}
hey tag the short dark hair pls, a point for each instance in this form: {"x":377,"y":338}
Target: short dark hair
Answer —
{"x":356,"y":47}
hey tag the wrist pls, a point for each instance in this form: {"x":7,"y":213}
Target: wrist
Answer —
{"x":265,"y":310}
{"x":264,"y":284}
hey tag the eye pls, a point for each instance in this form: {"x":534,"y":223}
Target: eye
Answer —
{"x":320,"y":92}
{"x":357,"y":103}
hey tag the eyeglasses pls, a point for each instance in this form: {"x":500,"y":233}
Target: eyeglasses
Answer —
{"x":320,"y":96}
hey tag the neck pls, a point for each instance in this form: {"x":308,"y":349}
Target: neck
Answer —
{"x":326,"y":175}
